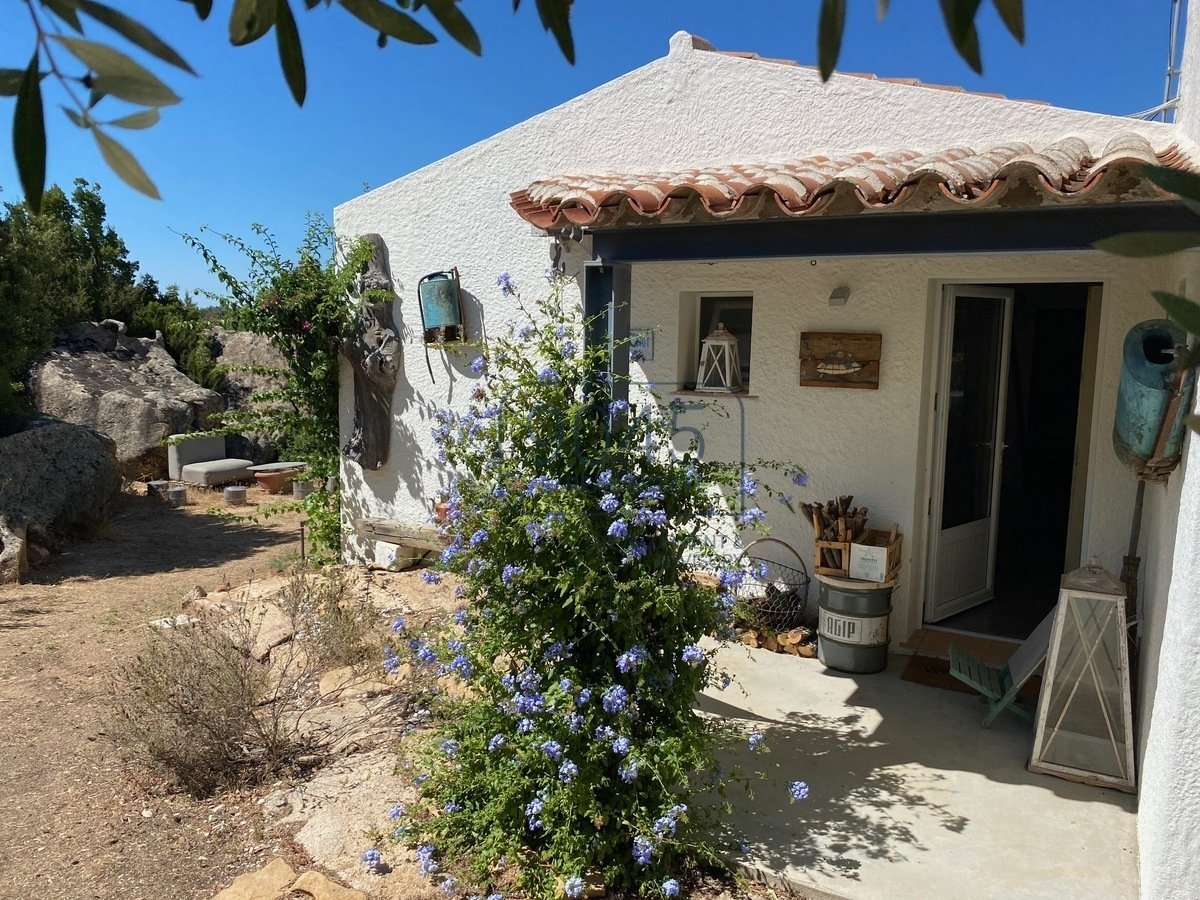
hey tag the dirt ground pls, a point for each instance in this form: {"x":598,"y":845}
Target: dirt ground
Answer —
{"x":75,"y":820}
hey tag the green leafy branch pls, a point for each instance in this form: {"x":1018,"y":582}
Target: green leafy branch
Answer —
{"x":88,"y":71}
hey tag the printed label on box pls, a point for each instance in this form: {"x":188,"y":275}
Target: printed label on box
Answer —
{"x":868,"y":563}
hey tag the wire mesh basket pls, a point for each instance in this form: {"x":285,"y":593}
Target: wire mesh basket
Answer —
{"x":774,"y":594}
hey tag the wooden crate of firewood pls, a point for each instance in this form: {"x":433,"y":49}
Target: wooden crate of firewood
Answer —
{"x":836,"y":525}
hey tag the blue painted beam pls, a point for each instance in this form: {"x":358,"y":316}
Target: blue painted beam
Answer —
{"x":606,"y":292}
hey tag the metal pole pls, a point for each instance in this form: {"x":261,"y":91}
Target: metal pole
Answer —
{"x":1168,"y":111}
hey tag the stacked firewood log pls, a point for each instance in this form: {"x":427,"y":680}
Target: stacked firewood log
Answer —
{"x":835,"y":520}
{"x":797,"y":641}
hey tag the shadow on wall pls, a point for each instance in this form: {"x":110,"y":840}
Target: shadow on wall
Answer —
{"x":408,"y":470}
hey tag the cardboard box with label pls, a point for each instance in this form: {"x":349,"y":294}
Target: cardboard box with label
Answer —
{"x":876,"y":556}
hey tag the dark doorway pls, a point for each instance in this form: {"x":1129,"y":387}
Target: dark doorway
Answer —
{"x":1044,"y":377}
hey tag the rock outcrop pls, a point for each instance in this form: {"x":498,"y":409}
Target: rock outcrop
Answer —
{"x":54,"y":476}
{"x":124,"y":387}
{"x":247,"y":358}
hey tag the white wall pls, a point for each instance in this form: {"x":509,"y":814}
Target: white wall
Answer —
{"x":1169,"y":807}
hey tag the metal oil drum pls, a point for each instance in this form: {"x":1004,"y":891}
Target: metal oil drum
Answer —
{"x":852,"y":624}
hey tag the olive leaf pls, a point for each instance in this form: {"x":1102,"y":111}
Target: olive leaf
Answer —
{"x":830,"y":27}
{"x":1149,"y":243}
{"x":1012,"y":14}
{"x":144,"y":119}
{"x":249,"y":20}
{"x":29,"y":135}
{"x":202,"y":7}
{"x":1184,"y":311}
{"x":457,"y":25}
{"x":118,"y":75}
{"x":389,"y":21}
{"x":67,"y":10}
{"x":959,"y":16}
{"x":125,"y":165}
{"x":556,"y":18}
{"x":291,"y":54}
{"x":10,"y":81}
{"x":78,"y":120}
{"x":134,"y":32}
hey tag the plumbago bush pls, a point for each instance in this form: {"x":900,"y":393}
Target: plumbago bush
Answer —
{"x":575,"y":534}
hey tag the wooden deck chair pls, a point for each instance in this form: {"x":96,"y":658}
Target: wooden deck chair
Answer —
{"x":1001,"y":686}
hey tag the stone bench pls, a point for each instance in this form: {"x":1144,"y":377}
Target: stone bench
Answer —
{"x":203,"y":460}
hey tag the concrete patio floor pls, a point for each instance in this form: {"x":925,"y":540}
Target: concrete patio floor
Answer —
{"x":910,"y":797}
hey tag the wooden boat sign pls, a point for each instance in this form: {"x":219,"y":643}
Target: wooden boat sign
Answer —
{"x":840,"y":359}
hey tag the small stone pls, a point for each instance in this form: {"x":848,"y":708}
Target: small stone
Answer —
{"x":265,"y":884}
{"x":321,"y":888}
{"x":183,"y":620}
{"x":147,"y":813}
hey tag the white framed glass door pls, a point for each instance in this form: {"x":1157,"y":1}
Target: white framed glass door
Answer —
{"x":968,"y":447}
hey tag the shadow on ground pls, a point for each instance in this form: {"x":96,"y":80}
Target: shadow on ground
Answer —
{"x":898,"y":774}
{"x":147,"y":537}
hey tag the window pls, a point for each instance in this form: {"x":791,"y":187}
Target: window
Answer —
{"x":736,"y":314}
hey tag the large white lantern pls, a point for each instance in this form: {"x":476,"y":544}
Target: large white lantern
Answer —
{"x":720,"y":363}
{"x":1085,"y":716}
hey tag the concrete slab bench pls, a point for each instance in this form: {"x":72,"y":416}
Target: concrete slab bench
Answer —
{"x":203,"y":460}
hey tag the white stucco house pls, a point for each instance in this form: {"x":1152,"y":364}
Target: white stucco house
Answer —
{"x":710,"y":186}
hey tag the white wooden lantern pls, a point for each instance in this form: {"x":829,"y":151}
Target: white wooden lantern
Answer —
{"x":720,"y":363}
{"x":1085,"y":716}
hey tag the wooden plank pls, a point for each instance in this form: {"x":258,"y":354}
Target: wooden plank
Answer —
{"x":391,"y":532}
{"x":840,"y":359}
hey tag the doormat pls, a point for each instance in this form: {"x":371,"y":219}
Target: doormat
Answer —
{"x":934,"y":672}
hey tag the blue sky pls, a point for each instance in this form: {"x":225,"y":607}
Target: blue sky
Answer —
{"x":238,"y":150}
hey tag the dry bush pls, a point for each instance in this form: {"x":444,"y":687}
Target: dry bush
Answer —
{"x":339,"y":629}
{"x":197,"y":703}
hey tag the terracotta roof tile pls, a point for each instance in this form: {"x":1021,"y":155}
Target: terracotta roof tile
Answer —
{"x":1064,"y":171}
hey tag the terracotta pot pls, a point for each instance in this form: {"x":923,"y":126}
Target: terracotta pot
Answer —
{"x":275,"y":482}
{"x":441,"y":510}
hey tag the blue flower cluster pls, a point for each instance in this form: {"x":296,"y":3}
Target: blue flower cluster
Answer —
{"x":533,"y":809}
{"x":665,"y":825}
{"x":427,"y":865}
{"x":798,"y":790}
{"x":615,"y":699}
{"x":372,"y":860}
{"x":632,"y":659}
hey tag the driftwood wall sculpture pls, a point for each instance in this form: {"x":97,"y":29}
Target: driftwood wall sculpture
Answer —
{"x":374,"y":352}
